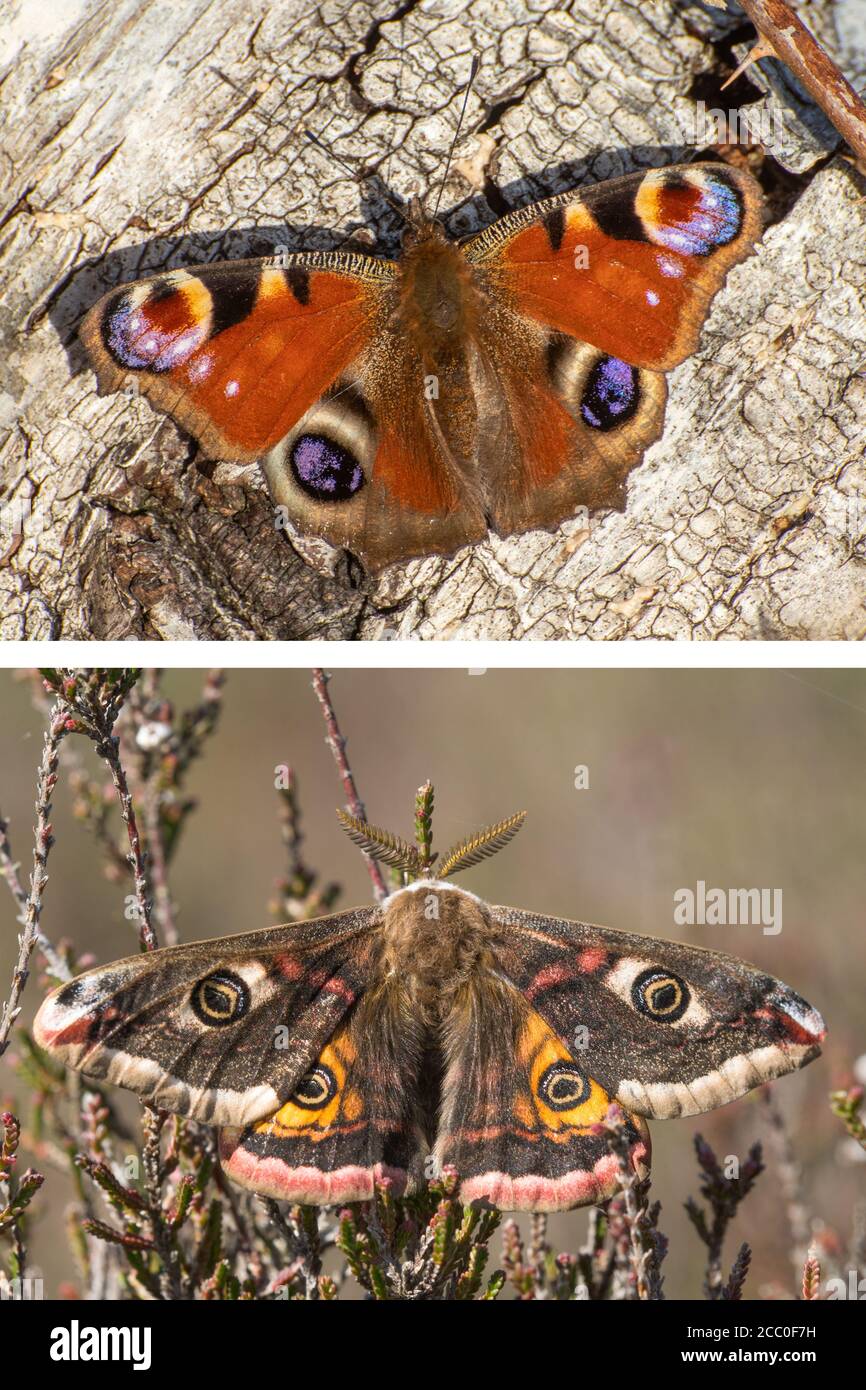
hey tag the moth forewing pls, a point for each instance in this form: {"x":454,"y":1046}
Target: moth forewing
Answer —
{"x":200,"y":1029}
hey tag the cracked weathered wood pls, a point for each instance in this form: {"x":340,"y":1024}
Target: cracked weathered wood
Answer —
{"x":125,"y":150}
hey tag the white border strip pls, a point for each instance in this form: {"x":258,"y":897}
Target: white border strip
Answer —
{"x":628,"y":652}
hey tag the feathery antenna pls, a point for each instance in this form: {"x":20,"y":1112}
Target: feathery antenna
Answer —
{"x":381,"y":844}
{"x":480,"y":845}
{"x":416,"y":861}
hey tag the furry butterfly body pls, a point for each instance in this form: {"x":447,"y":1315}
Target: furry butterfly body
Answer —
{"x":408,"y":407}
{"x":434,"y":1029}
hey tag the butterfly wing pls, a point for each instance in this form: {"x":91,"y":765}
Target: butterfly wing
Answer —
{"x":219,"y":1030}
{"x":671,"y":1029}
{"x":598,"y":293}
{"x":236,"y":351}
{"x":352,"y":1121}
{"x":300,"y":364}
{"x":518,"y":1109}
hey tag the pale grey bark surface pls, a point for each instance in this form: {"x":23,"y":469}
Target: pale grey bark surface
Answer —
{"x":124,"y":151}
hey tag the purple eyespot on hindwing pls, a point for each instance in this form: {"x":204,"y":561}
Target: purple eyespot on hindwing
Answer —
{"x":324,"y":469}
{"x":611,"y":394}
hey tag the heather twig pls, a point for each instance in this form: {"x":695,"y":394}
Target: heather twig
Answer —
{"x":15,"y":1194}
{"x":57,"y":966}
{"x":424,"y":801}
{"x":791,"y":1181}
{"x":299,"y":898}
{"x":724,"y":1193}
{"x":27,"y":940}
{"x":337,"y":744}
{"x":595,"y":1259}
{"x":646,"y":1248}
{"x":811,"y":1278}
{"x":733,"y":1290}
{"x":427,"y":1246}
{"x":847,"y":1105}
{"x":92,"y":701}
{"x":300,"y":1231}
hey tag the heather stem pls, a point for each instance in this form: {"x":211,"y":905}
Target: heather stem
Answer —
{"x":29,"y":937}
{"x":107,"y":748}
{"x":337,"y":744}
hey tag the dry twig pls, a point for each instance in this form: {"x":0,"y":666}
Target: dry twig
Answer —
{"x":337,"y":745}
{"x":783,"y":33}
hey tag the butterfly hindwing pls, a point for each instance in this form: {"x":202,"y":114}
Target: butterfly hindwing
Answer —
{"x":402,"y":425}
{"x":519,"y":1108}
{"x":576,"y":422}
{"x":351,"y":1123}
{"x":672,"y":1029}
{"x":218,"y":1030}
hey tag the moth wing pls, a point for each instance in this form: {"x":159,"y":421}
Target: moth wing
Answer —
{"x":672,"y":1029}
{"x":352,"y":1122}
{"x":220,"y":1030}
{"x":297,"y":364}
{"x":596,"y":293}
{"x":519,"y":1108}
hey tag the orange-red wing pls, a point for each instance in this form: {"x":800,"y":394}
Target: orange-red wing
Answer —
{"x":236,"y":352}
{"x":629,"y":266}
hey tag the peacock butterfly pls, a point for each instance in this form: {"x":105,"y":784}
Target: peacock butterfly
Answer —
{"x":432,"y":1029}
{"x":407,"y":407}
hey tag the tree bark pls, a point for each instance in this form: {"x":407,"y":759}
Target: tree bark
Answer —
{"x":140,"y":136}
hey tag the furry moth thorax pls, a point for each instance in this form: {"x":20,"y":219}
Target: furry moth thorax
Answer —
{"x":383,"y":1043}
{"x":435,"y":936}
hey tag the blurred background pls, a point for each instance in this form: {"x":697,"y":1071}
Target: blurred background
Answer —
{"x":737,"y":778}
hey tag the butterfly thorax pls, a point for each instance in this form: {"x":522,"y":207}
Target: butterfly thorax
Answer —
{"x":438,"y":296}
{"x":436,"y":936}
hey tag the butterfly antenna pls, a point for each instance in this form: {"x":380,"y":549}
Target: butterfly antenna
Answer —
{"x":398,"y":100}
{"x":314,"y":139}
{"x":456,"y":134}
